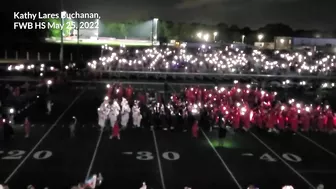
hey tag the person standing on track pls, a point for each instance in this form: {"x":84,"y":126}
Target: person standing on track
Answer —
{"x":294,"y":123}
{"x":320,"y":186}
{"x":2,"y":123}
{"x":195,"y":129}
{"x":115,"y":131}
{"x":72,"y":127}
{"x":222,"y":132}
{"x":114,"y":112}
{"x":136,"y":115}
{"x":125,"y":111}
{"x":144,"y":186}
{"x":30,"y":187}
{"x":27,"y":127}
{"x":49,"y":106}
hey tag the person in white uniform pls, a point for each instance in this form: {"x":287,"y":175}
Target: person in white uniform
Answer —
{"x":49,"y":107}
{"x":136,"y":115}
{"x":125,"y":111}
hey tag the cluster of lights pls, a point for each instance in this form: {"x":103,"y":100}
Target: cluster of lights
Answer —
{"x":228,"y":60}
{"x":206,"y":36}
{"x":41,"y":68}
{"x":307,"y":63}
{"x":207,"y":59}
{"x":328,"y":85}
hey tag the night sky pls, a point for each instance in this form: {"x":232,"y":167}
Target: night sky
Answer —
{"x":299,"y":14}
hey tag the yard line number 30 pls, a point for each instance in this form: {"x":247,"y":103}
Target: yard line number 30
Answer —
{"x":145,"y":155}
{"x":19,"y":154}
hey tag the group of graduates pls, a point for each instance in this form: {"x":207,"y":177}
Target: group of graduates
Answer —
{"x":235,"y":108}
{"x":243,"y":107}
{"x":114,"y":112}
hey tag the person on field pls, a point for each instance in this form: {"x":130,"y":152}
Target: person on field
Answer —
{"x":144,"y":186}
{"x":49,"y":107}
{"x":195,"y":130}
{"x":125,"y":113}
{"x":136,"y":115}
{"x":27,"y":127}
{"x":72,"y":127}
{"x":222,"y":132}
{"x":115,"y":131}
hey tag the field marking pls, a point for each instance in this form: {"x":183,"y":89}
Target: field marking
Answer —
{"x":318,"y":145}
{"x":94,"y":154}
{"x":223,"y":162}
{"x":159,"y":159}
{"x":318,"y":171}
{"x":43,"y":137}
{"x":128,"y":153}
{"x":283,"y":161}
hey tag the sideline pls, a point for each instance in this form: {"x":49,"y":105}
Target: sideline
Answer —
{"x":43,"y":137}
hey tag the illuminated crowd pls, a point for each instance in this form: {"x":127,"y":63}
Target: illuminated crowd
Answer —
{"x":228,"y":59}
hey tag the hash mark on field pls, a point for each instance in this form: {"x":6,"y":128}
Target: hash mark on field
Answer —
{"x":128,"y":153}
{"x":319,"y":171}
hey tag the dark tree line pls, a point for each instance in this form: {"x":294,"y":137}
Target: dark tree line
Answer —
{"x":188,"y":31}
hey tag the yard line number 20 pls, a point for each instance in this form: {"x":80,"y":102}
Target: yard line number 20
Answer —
{"x":19,"y":154}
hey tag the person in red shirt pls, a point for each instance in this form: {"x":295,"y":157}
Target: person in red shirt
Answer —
{"x":270,"y":122}
{"x":119,"y":92}
{"x":110,"y":91}
{"x":236,"y":120}
{"x":281,"y":121}
{"x":259,"y":119}
{"x":330,"y":121}
{"x":247,"y":120}
{"x":320,"y":122}
{"x":195,"y":129}
{"x":115,"y":131}
{"x":334,"y":120}
{"x":27,"y":127}
{"x":129,"y":92}
{"x":294,"y":123}
{"x":17,"y":91}
{"x":305,"y":121}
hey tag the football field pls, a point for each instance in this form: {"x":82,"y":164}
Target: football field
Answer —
{"x":162,"y":159}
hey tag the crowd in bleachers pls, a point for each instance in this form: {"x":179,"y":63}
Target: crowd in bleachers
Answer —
{"x":228,"y":59}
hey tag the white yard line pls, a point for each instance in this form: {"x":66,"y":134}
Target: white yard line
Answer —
{"x":43,"y":137}
{"x":318,"y":145}
{"x":283,"y":161}
{"x":223,"y":162}
{"x":94,"y":154}
{"x":158,"y":159}
{"x":318,"y":171}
